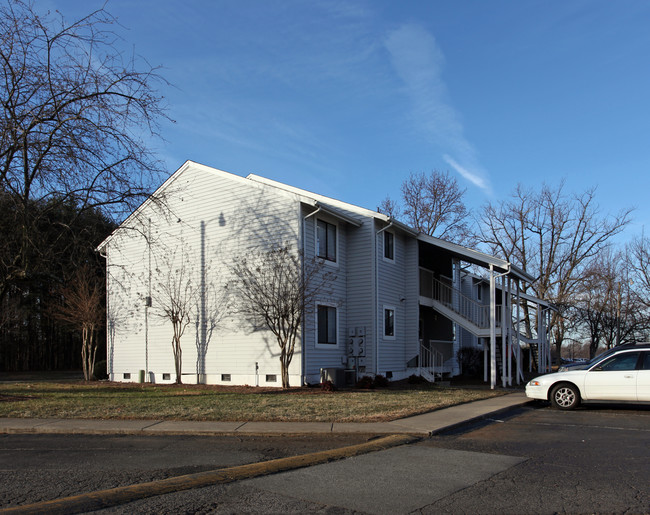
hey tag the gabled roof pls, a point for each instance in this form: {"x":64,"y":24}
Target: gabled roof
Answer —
{"x":340,"y":210}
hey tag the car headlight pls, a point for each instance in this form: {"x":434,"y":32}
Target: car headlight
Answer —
{"x":535,"y":383}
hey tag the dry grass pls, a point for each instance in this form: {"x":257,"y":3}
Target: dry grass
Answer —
{"x":191,"y":402}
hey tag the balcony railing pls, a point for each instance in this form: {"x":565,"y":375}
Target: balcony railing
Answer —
{"x":471,"y":310}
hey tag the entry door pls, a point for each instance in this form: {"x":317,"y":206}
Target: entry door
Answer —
{"x":613,"y":379}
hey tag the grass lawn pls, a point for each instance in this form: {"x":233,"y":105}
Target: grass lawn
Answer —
{"x":103,"y":400}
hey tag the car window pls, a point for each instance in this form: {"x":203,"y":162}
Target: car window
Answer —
{"x":645,"y":365}
{"x":625,"y":361}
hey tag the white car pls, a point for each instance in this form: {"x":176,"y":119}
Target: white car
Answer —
{"x":620,"y":374}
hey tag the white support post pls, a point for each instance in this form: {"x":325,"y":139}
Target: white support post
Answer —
{"x":547,"y":323}
{"x":504,"y":334}
{"x":520,"y":368}
{"x":493,"y":336}
{"x":541,"y":343}
{"x":485,"y":360}
{"x":509,"y":328}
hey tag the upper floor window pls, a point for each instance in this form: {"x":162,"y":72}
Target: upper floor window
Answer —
{"x":389,"y":245}
{"x":326,"y":240}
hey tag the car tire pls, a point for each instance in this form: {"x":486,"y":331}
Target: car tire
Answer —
{"x":565,"y":396}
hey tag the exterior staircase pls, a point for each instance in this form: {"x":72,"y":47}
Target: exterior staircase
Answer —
{"x":453,"y":304}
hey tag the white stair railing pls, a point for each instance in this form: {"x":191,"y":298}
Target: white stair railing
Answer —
{"x":430,"y":362}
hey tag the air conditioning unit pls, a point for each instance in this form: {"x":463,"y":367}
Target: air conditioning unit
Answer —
{"x":335,"y":375}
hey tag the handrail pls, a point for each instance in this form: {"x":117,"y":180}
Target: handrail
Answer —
{"x":452,"y":298}
{"x":431,"y":360}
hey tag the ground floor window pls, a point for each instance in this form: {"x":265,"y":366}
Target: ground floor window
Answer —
{"x":389,"y":322}
{"x":326,"y":324}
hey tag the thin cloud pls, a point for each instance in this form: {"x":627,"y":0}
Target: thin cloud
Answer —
{"x":418,"y":61}
{"x":471,"y":177}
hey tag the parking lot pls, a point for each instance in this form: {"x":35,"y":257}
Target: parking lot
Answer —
{"x":534,"y":460}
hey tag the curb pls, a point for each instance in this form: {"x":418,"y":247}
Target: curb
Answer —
{"x":106,"y":498}
{"x":478,"y":418}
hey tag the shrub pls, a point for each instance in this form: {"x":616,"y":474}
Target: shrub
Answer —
{"x":416,"y":379}
{"x":99,"y":372}
{"x":471,"y":361}
{"x":365,"y":383}
{"x":380,"y":381}
{"x":327,"y":386}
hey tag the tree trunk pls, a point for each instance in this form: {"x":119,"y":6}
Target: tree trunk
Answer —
{"x":178,"y":355}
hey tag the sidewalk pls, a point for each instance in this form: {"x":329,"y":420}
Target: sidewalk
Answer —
{"x":426,"y":424}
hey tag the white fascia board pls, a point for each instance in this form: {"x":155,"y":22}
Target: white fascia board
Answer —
{"x":331,"y":202}
{"x":391,"y":222}
{"x":144,"y":204}
{"x":537,"y":300}
{"x":338,"y":214}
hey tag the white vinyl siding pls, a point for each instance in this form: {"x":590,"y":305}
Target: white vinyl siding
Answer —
{"x":392,"y":294}
{"x":238,"y":216}
{"x":325,"y":355}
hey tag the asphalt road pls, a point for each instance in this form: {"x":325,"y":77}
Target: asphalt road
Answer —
{"x":593,"y":460}
{"x":36,"y":468}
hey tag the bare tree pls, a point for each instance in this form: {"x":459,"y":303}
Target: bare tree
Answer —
{"x":175,"y":298}
{"x":184,"y":292}
{"x":433,"y":204}
{"x":82,"y":307}
{"x":390,"y":208}
{"x":274,"y":290}
{"x":76,"y":119}
{"x":554,"y":237}
{"x":638,"y":257}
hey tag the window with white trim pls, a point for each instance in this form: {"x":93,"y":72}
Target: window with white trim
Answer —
{"x":389,"y":322}
{"x":389,"y":245}
{"x":326,"y":325}
{"x":326,"y":240}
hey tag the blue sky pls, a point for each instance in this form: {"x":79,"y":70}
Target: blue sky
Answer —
{"x":346,"y":98}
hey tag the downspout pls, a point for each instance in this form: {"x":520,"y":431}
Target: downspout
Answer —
{"x":303,"y":359}
{"x":377,"y":319}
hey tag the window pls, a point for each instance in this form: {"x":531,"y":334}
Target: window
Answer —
{"x":389,"y":245}
{"x":326,"y":240}
{"x":389,"y":322}
{"x":167,"y":377}
{"x":127,"y":375}
{"x":646,"y":361}
{"x":225,"y":377}
{"x":626,"y":361}
{"x":326,"y":325}
{"x":271,"y":378}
